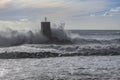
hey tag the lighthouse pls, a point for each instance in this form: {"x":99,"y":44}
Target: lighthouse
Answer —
{"x":46,"y":28}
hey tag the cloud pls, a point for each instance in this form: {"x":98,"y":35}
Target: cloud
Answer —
{"x":69,"y":11}
{"x":24,"y":20}
{"x":112,"y":11}
{"x":117,"y":9}
{"x":18,"y":25}
{"x":3,"y":3}
{"x":62,"y":7}
{"x":92,"y":15}
{"x":34,"y":9}
{"x":107,"y":14}
{"x":37,"y":3}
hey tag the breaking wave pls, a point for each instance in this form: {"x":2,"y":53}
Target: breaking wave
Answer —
{"x":33,"y":44}
{"x":10,"y":37}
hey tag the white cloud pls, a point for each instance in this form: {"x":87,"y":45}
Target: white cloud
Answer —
{"x":113,"y":11}
{"x":3,"y":3}
{"x":38,"y":3}
{"x":92,"y":15}
{"x":62,"y":7}
{"x":117,"y":9}
{"x":24,"y":20}
{"x":107,"y":14}
{"x":54,"y":9}
{"x":69,"y":11}
{"x":18,"y":25}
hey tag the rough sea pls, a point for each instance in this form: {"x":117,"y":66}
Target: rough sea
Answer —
{"x":83,"y":42}
{"x":92,"y":55}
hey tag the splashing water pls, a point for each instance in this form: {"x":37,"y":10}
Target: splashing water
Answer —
{"x":11,"y":37}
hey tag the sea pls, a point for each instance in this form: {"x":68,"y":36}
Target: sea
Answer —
{"x":98,"y":34}
{"x":90,"y":55}
{"x":82,"y":42}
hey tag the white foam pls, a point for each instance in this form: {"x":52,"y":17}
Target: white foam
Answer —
{"x":3,"y":72}
{"x":11,"y":37}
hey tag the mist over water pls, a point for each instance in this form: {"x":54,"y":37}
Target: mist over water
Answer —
{"x":12,"y":37}
{"x":31,"y":43}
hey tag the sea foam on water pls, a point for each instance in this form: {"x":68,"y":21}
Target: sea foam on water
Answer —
{"x":11,"y":37}
{"x":21,"y":43}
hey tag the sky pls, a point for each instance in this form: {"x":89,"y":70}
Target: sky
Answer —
{"x":76,"y":14}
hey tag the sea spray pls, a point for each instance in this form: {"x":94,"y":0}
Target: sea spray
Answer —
{"x":33,"y":44}
{"x":10,"y":37}
{"x":13,"y":37}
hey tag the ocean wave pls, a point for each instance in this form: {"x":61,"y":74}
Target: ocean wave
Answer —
{"x":95,"y":41}
{"x":10,"y":37}
{"x":97,"y":32}
{"x":53,"y":50}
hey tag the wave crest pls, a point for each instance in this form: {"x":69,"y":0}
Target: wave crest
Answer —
{"x":9,"y":37}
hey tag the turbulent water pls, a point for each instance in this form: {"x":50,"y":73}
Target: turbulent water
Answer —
{"x":29,"y":45}
{"x":98,"y":36}
{"x":64,"y":68}
{"x":10,"y":37}
{"x":83,"y":42}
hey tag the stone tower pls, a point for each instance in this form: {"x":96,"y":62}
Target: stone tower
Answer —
{"x":46,"y":28}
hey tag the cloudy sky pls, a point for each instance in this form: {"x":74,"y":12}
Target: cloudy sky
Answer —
{"x":77,"y":14}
